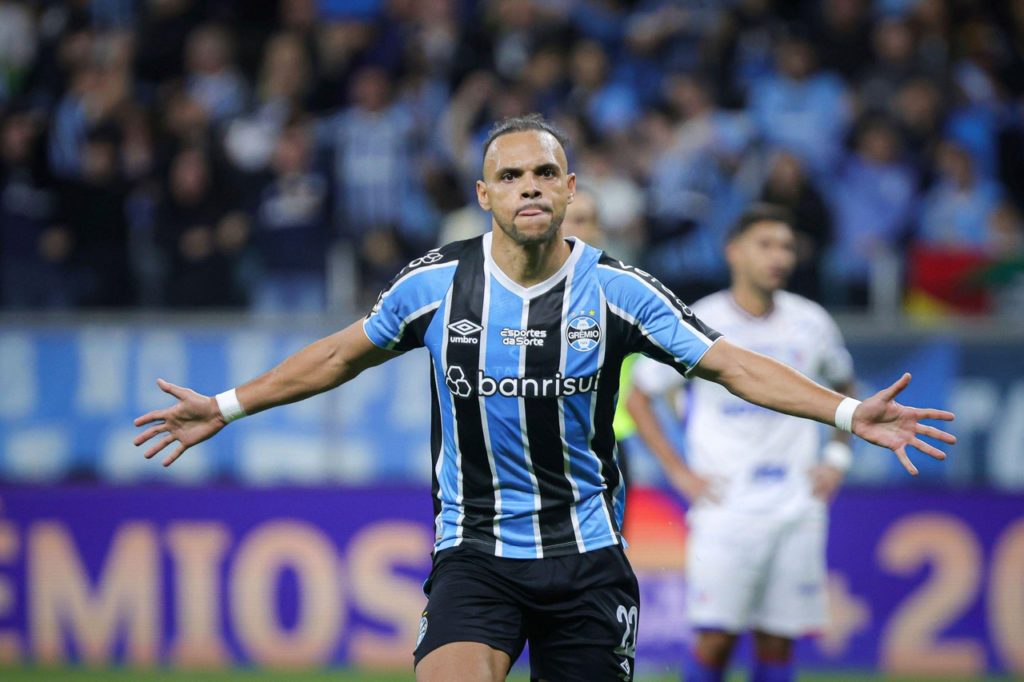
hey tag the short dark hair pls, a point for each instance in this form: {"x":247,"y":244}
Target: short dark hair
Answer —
{"x":519,"y":124}
{"x":760,"y":213}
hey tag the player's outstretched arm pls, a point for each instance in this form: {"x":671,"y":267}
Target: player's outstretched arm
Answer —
{"x":769,"y":383}
{"x":318,"y":367}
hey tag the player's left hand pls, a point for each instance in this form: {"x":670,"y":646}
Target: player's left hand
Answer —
{"x":825,"y":481}
{"x":883,"y":421}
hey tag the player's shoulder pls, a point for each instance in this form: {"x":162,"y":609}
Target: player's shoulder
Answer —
{"x":429,"y":274}
{"x":450,"y":252}
{"x":440,"y":257}
{"x":713,"y":304}
{"x":801,"y":306}
{"x":613,"y":271}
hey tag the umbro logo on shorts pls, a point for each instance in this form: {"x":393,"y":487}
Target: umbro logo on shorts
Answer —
{"x":465,"y":332}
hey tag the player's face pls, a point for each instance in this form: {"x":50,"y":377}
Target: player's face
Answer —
{"x":764,"y":255}
{"x":526,"y":186}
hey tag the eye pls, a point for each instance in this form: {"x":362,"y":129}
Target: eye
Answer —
{"x":548,"y":173}
{"x":507,"y":177}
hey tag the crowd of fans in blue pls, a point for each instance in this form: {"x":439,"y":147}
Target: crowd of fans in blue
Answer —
{"x":216,"y":153}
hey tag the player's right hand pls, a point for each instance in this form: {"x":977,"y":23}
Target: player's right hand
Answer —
{"x":691,"y":486}
{"x":193,"y":419}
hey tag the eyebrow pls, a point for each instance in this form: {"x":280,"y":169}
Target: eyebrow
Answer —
{"x":519,"y":171}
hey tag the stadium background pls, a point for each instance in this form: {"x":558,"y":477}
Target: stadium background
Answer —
{"x":194,"y":189}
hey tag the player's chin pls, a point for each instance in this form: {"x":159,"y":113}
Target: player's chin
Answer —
{"x":534,"y":231}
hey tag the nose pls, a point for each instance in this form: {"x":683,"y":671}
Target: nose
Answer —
{"x":530,"y":188}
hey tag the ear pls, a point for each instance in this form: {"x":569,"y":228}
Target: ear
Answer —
{"x":570,"y":182}
{"x":482,"y":197}
{"x":730,"y":251}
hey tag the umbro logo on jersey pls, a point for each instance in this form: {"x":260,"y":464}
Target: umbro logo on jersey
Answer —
{"x":429,"y":258}
{"x":464,"y":332}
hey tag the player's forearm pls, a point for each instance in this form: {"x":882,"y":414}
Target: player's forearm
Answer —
{"x":318,"y":367}
{"x":766,"y":382}
{"x":641,"y":408}
{"x":312,"y":370}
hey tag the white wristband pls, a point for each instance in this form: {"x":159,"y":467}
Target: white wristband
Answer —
{"x":844,"y":414}
{"x":837,"y":455}
{"x":229,"y":406}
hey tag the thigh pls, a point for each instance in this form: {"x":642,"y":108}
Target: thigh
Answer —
{"x":470,"y":601}
{"x":794,"y":593}
{"x":725,"y":564}
{"x":590,"y":634}
{"x":464,"y":661}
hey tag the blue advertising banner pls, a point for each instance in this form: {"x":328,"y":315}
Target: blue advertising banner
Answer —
{"x":71,"y":392}
{"x":920,"y":582}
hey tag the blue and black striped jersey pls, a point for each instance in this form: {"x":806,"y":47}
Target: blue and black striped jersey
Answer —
{"x":524,"y":384}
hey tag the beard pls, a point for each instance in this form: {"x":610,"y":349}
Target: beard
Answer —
{"x":516,"y":235}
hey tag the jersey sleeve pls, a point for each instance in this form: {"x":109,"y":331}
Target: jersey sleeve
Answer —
{"x":661,"y":326}
{"x":404,"y":309}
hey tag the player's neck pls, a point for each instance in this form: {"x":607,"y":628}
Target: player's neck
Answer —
{"x":751,"y":300}
{"x":530,"y":264}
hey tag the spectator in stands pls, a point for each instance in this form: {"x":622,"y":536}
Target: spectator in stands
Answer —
{"x":34,"y":251}
{"x":185,"y":122}
{"x":403,"y":90}
{"x":619,"y":199}
{"x":918,"y":109}
{"x":283,"y":87}
{"x":201,"y":235}
{"x":162,"y":35}
{"x":17,"y":46}
{"x":980,"y":105}
{"x":874,"y":202}
{"x":692,"y":194}
{"x":92,"y":207}
{"x":895,"y":64}
{"x":933,"y":26}
{"x":371,"y":144}
{"x":212,"y":77}
{"x":608,"y":106}
{"x":741,"y":49}
{"x":787,"y":185}
{"x":958,"y":210}
{"x":802,"y":108}
{"x":292,"y":229}
{"x":663,"y":36}
{"x":843,"y":36}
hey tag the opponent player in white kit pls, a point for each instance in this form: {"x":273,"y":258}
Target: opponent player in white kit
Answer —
{"x":757,"y":484}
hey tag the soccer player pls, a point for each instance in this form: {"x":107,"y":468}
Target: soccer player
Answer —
{"x":526,"y":332}
{"x":757,"y":490}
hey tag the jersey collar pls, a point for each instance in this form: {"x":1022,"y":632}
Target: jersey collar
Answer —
{"x":540,"y":287}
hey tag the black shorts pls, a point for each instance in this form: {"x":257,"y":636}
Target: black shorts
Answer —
{"x":578,"y":612}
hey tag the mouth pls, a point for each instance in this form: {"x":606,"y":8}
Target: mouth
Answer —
{"x":530,"y":211}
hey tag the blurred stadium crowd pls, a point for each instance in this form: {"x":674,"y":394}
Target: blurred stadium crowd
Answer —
{"x":229,"y":153}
